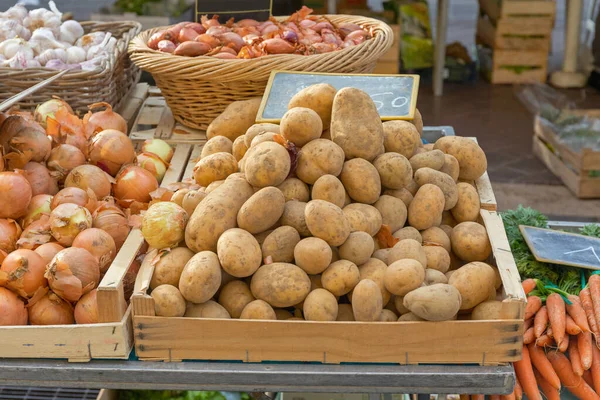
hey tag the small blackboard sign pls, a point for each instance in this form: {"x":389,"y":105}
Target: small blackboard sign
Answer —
{"x":394,"y":95}
{"x":562,"y":248}
{"x":259,"y":10}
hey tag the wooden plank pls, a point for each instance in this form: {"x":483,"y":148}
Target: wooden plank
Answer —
{"x":178,"y":164}
{"x":142,"y":303}
{"x":505,"y":76}
{"x":486,"y":194}
{"x":541,"y":7}
{"x":189,"y":170}
{"x":491,"y":8}
{"x":520,"y":58}
{"x":590,"y":160}
{"x":132,"y":105}
{"x":524,"y":26}
{"x":547,"y":134}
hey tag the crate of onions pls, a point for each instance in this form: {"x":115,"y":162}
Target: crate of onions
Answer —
{"x":71,"y":190}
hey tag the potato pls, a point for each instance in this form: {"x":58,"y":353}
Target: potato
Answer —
{"x":280,"y":284}
{"x":374,"y":270}
{"x":218,"y":144}
{"x":313,"y":255}
{"x":437,"y":302}
{"x":329,"y":188}
{"x":262,"y":210}
{"x":394,"y":170}
{"x":426,"y":208}
{"x":300,"y":125}
{"x":408,"y":248}
{"x":437,"y":258}
{"x":239,"y":148}
{"x":474,"y":281}
{"x":447,"y":230}
{"x":488,"y":310}
{"x":214,"y":167}
{"x":235,"y":120}
{"x":403,"y":276}
{"x":449,"y":274}
{"x":430,"y":159}
{"x":201,"y":277}
{"x":280,"y":244}
{"x":340,"y":277}
{"x":216,"y":213}
{"x":367,"y":304}
{"x":410,"y":317}
{"x":361,"y":180}
{"x":418,"y":121}
{"x":234,"y":297}
{"x":258,"y":309}
{"x":420,"y":150}
{"x":356,"y":125}
{"x":257,"y":130}
{"x":210,"y":309}
{"x":293,"y":215}
{"x":428,"y":146}
{"x":436,"y":236}
{"x":450,"y":167}
{"x":401,"y":137}
{"x":168,"y":301}
{"x":178,"y":196}
{"x":412,"y":187}
{"x":433,"y":276}
{"x":267,"y":164}
{"x":327,"y":221}
{"x":192,"y":199}
{"x":470,"y":242}
{"x":393,"y":211}
{"x":294,"y":189}
{"x":387,"y":316}
{"x":470,"y":156}
{"x":260,"y":237}
{"x":169,"y":266}
{"x":357,"y":248}
{"x":448,"y":219}
{"x":214,"y":185}
{"x":382,"y":255}
{"x":282,"y":314}
{"x":345,"y":313}
{"x":498,"y":280}
{"x":262,"y":138}
{"x":363,"y":217}
{"x":408,"y":232}
{"x":239,"y":253}
{"x":468,"y":205}
{"x":441,"y":180}
{"x":399,"y":305}
{"x":318,"y":97}
{"x":402,"y":194}
{"x":319,"y":157}
{"x":320,"y":305}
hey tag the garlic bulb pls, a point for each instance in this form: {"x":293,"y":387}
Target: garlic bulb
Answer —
{"x":42,"y":18}
{"x":76,"y":55}
{"x":52,"y":54}
{"x":17,"y":12}
{"x":70,"y":31}
{"x":98,"y":49}
{"x":12,"y":28}
{"x":43,"y":39}
{"x":93,"y":64}
{"x":20,"y":59}
{"x":10,"y":47}
{"x":89,"y":40}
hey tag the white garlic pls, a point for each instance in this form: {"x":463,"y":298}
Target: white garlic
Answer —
{"x":10,"y":47}
{"x":12,"y":28}
{"x":52,"y":54}
{"x":76,"y":55}
{"x":43,"y":39}
{"x":91,"y":39}
{"x":43,"y":18}
{"x":20,"y":59}
{"x":57,"y":64}
{"x":17,"y":12}
{"x":70,"y":31}
{"x":96,"y":50}
{"x":33,"y":64}
{"x":93,"y":64}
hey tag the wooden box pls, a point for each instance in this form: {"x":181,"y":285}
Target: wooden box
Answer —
{"x":389,"y":63}
{"x":513,"y":66}
{"x":574,"y":169}
{"x":515,"y":33}
{"x":497,"y":9}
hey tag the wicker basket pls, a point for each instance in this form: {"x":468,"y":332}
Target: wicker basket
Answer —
{"x":198,"y":89}
{"x":110,"y":83}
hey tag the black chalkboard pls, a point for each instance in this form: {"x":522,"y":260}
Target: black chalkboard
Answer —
{"x":562,"y":248}
{"x":394,"y":95}
{"x":259,"y":10}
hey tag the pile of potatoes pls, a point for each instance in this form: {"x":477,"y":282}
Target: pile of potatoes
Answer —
{"x":330,"y":216}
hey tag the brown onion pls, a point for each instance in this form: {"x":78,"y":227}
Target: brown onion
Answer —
{"x":49,"y":109}
{"x":100,"y":244}
{"x":51,"y":310}
{"x":78,"y":141}
{"x":63,"y":159}
{"x":103,"y":120}
{"x":154,"y":164}
{"x":112,"y":220}
{"x":22,"y":271}
{"x":86,"y":309}
{"x":48,"y":251}
{"x":135,"y":183}
{"x":30,"y":144}
{"x":3,"y":255}
{"x":90,"y":177}
{"x":159,"y":147}
{"x":38,"y":206}
{"x":67,"y":221}
{"x":77,"y":196}
{"x":10,"y":231}
{"x":110,"y":150}
{"x":15,"y":195}
{"x":12,"y":309}
{"x":40,"y":179}
{"x":72,"y":273}
{"x":36,"y":234}
{"x":163,"y":225}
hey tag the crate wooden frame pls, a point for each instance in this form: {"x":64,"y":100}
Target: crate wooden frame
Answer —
{"x":571,"y":167}
{"x":498,"y":74}
{"x":518,"y":8}
{"x":498,"y":35}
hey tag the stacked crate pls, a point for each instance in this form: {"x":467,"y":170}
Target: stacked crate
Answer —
{"x":516,"y":36}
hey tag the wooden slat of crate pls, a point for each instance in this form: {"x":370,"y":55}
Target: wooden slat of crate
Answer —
{"x":500,"y":9}
{"x":132,"y":105}
{"x":502,"y":59}
{"x":500,"y":37}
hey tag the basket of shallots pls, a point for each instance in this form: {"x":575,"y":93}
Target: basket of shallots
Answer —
{"x":35,"y":44}
{"x":203,"y":67}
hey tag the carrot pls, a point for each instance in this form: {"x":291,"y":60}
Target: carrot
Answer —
{"x":550,"y":391}
{"x":518,"y":388}
{"x":534,"y":303}
{"x":571,"y":327}
{"x":564,"y":345}
{"x":586,"y":303}
{"x":528,"y":336}
{"x":495,"y":397}
{"x":584,"y":345}
{"x":576,"y":311}
{"x":524,"y":372}
{"x":576,"y":385}
{"x":557,"y":316}
{"x":594,"y":285}
{"x":508,"y":396}
{"x":541,"y":363}
{"x":550,"y":332}
{"x":540,"y":321}
{"x":544,"y":341}
{"x":588,"y":378}
{"x":527,"y":324}
{"x":596,"y":368}
{"x":528,"y":285}
{"x":575,"y":358}
{"x":477,"y":397}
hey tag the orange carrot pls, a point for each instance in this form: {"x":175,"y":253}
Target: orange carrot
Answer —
{"x":550,"y":391}
{"x":576,"y":385}
{"x":571,"y":327}
{"x":584,"y":345}
{"x":518,"y":388}
{"x":540,"y":321}
{"x":557,"y":315}
{"x":527,"y":324}
{"x":586,"y":303}
{"x":576,"y":311}
{"x":524,"y":372}
{"x":528,"y":285}
{"x":477,"y":397}
{"x":528,"y":336}
{"x":594,"y":285}
{"x":508,"y":396}
{"x":534,"y":303}
{"x":544,"y":341}
{"x":564,"y":346}
{"x":588,"y":378}
{"x":495,"y":397}
{"x":575,"y":358}
{"x":541,"y":363}
{"x":550,"y":332}
{"x":596,"y":368}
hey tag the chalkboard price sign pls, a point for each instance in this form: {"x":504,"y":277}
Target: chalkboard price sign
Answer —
{"x":259,"y":10}
{"x":394,"y":95}
{"x":562,"y":248}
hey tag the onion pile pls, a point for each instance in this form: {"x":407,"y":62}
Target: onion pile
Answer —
{"x":75,"y":195}
{"x":86,"y":310}
{"x":103,"y":120}
{"x":38,"y":206}
{"x":15,"y":195}
{"x":135,"y":184}
{"x":110,"y":150}
{"x":10,"y":231}
{"x":100,"y":244}
{"x":63,"y":158}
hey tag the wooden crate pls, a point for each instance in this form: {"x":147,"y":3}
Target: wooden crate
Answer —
{"x":129,"y":109}
{"x":515,"y":33}
{"x":497,"y":9}
{"x":502,"y":66}
{"x":571,"y":167}
{"x":389,"y":63}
